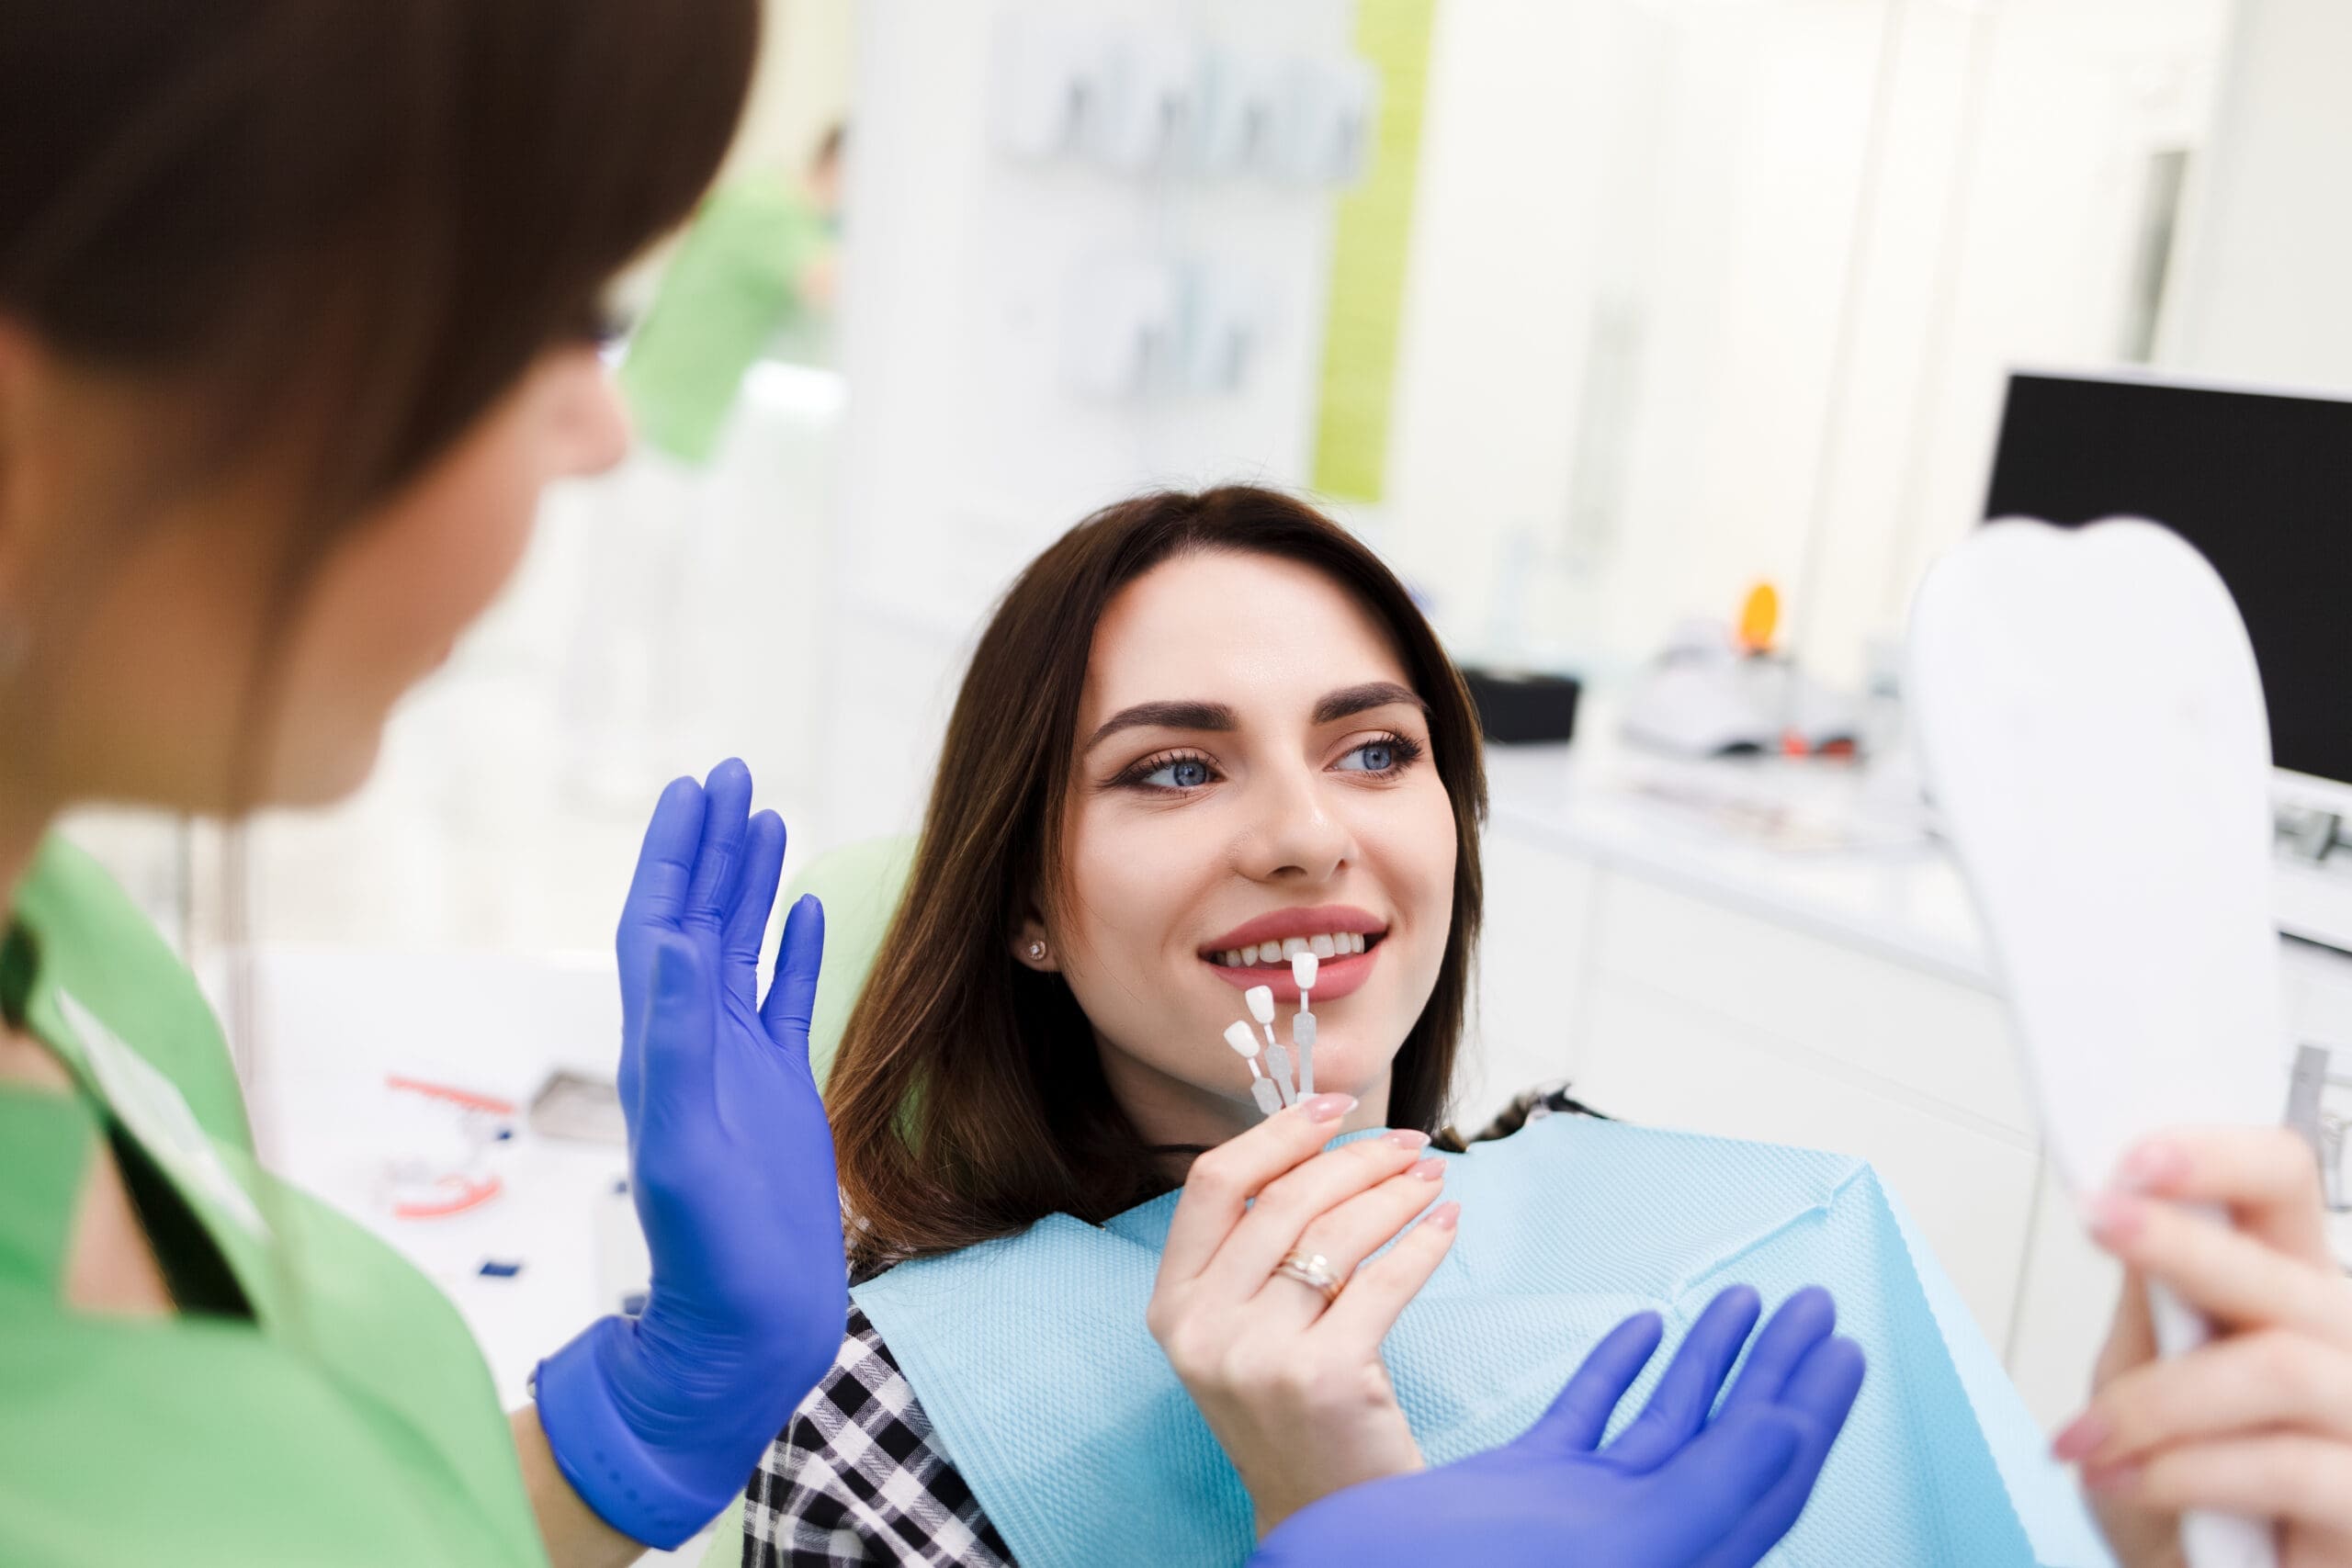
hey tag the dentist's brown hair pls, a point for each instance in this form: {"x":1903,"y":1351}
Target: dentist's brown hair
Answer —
{"x":967,"y":1101}
{"x":316,"y":239}
{"x":355,"y":220}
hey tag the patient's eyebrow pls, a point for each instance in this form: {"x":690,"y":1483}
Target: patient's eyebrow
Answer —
{"x":1351,"y":700}
{"x":1164,"y":716}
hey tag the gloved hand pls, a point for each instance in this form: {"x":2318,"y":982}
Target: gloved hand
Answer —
{"x":658,"y":1420}
{"x":1676,"y":1489}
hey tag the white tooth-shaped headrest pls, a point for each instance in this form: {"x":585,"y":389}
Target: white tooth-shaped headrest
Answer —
{"x":1262,"y":1002}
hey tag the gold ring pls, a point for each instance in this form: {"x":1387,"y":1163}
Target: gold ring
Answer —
{"x":1312,"y":1271}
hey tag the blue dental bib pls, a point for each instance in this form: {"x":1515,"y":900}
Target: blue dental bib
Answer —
{"x":1031,"y":1357}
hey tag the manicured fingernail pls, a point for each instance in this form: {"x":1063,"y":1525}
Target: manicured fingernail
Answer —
{"x":1405,"y":1138}
{"x":2111,"y":1478}
{"x":2081,"y":1438}
{"x":2114,"y":1218}
{"x":1431,"y":1170}
{"x":2153,"y":1167}
{"x":1327,"y":1107}
{"x":1445,"y":1216}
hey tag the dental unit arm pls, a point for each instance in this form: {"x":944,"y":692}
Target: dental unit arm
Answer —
{"x":2093,"y":729}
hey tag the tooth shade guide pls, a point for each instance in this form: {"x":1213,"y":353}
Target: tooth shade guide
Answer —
{"x":1302,"y":969}
{"x":1278,"y":1068}
{"x":1259,"y":999}
{"x":1263,"y":1088}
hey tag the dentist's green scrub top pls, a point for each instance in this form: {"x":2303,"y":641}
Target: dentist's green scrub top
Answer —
{"x":316,"y":1401}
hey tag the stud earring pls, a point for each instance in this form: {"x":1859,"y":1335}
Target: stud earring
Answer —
{"x":1036,"y":951}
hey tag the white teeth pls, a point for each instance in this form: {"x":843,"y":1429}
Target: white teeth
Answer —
{"x":1323,"y":944}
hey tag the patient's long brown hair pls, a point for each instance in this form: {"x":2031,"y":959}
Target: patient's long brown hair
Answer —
{"x":967,"y":1101}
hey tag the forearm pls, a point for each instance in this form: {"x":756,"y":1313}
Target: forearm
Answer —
{"x":575,"y":1537}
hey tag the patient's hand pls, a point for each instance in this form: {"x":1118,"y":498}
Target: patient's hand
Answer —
{"x":1295,"y":1389}
{"x":2257,"y":1422}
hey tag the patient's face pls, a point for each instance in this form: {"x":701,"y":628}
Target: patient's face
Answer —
{"x":1250,"y":766}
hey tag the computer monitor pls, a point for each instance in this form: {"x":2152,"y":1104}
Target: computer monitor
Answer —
{"x":2260,"y":481}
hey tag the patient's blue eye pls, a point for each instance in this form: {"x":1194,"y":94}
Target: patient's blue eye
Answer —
{"x":1183,"y":772}
{"x":1167,"y":773}
{"x":1389,"y":754}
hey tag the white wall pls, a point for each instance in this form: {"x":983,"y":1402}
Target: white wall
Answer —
{"x":1702,"y":294}
{"x":1488,"y":351}
{"x":2268,"y":262}
{"x":965,"y":449}
{"x":2043,"y":181}
{"x":803,"y":86}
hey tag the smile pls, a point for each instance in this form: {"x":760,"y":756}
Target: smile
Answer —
{"x":1345,"y":941}
{"x":1272,"y":955}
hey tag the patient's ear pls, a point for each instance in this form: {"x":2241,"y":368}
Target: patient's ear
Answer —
{"x":1032,"y":947}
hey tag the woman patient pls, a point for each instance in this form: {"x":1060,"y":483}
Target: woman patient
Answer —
{"x":1198,"y":725}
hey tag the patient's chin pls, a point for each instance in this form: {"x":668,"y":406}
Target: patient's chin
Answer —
{"x":1341,"y":1068}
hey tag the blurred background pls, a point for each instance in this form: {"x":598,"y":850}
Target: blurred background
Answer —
{"x":1660,"y":345}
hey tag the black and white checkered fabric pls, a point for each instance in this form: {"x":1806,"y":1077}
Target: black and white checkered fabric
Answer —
{"x":857,"y":1477}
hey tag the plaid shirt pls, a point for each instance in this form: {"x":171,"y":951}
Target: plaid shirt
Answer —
{"x":857,"y":1477}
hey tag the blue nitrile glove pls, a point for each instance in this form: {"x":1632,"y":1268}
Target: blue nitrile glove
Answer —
{"x":657,"y":1420}
{"x":1676,"y":1489}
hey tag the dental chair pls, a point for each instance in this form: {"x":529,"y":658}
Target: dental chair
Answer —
{"x":858,"y":884}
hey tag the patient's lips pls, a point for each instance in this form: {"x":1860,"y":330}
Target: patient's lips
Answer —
{"x":1346,"y":940}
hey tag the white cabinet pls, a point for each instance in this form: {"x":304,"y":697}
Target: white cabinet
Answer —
{"x":1850,"y":1014}
{"x":1538,"y":924}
